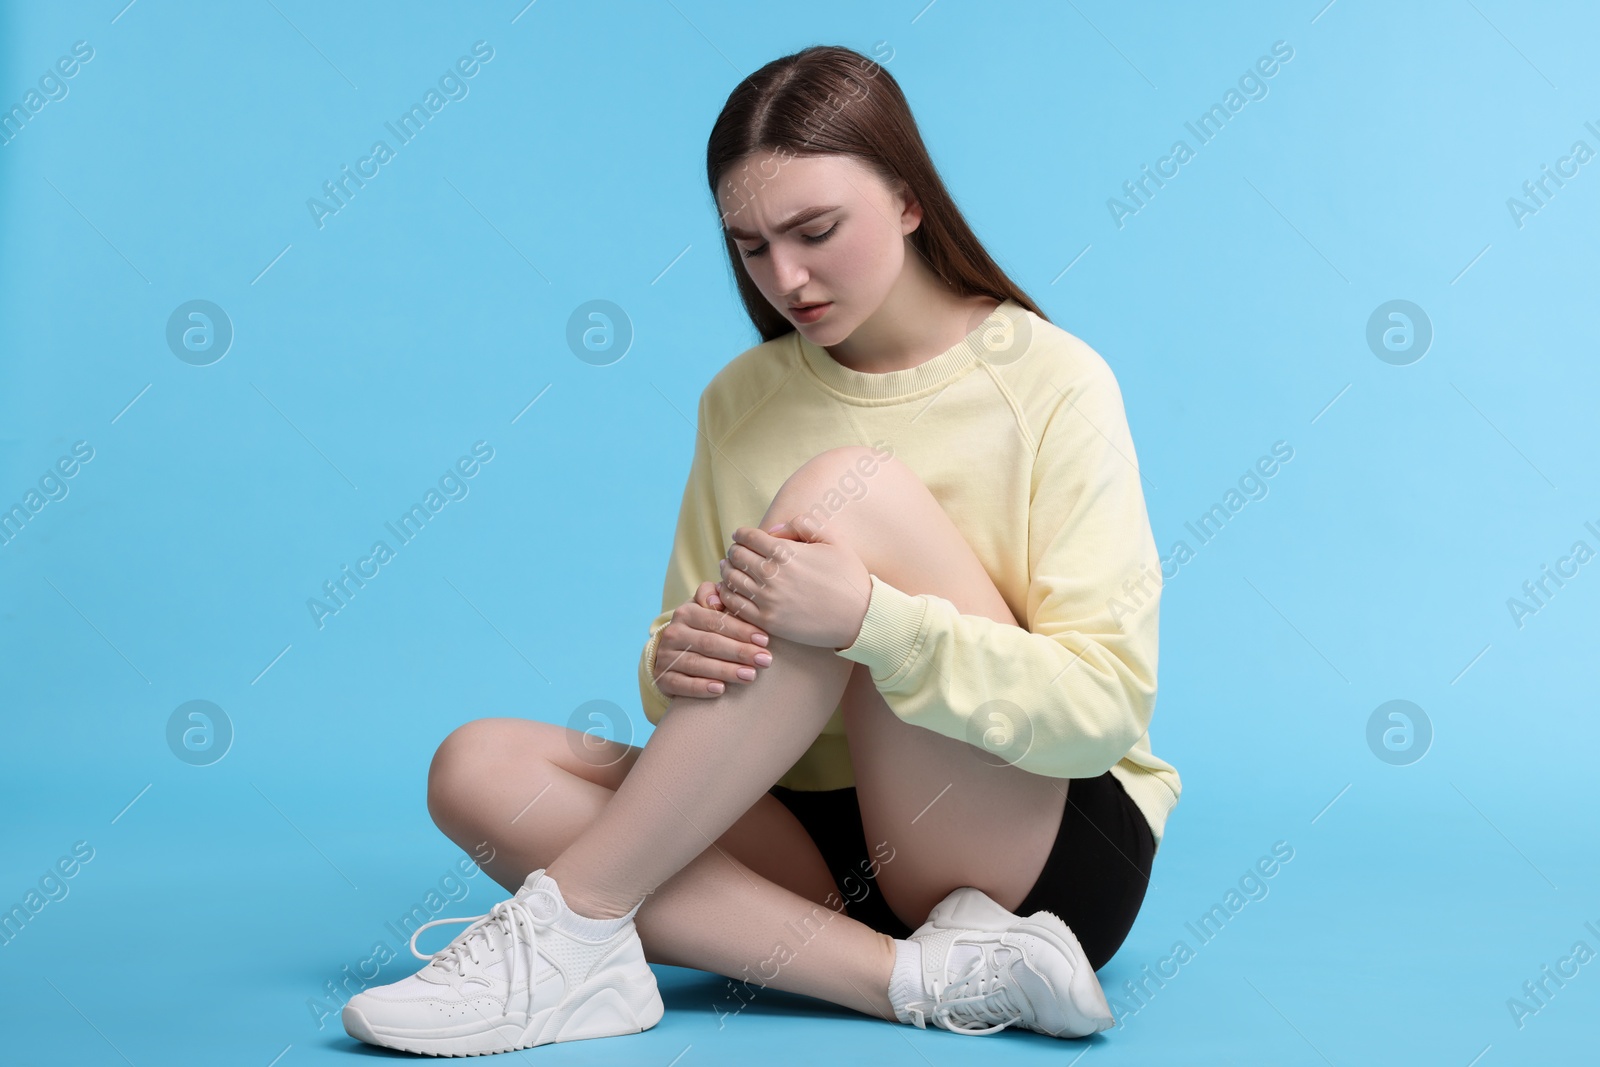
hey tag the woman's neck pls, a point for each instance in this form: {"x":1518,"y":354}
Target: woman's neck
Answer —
{"x":910,"y":328}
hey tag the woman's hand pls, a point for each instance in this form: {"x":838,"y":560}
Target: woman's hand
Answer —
{"x":796,"y":584}
{"x":704,"y":647}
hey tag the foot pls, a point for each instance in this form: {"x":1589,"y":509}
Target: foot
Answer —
{"x":512,"y":980}
{"x":985,"y":968}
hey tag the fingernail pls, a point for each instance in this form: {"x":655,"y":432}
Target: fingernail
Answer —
{"x":747,"y":673}
{"x":716,"y":601}
{"x":760,"y":639}
{"x":763,"y":659}
{"x":715,"y":687}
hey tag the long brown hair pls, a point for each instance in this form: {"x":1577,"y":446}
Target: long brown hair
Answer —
{"x":830,"y":100}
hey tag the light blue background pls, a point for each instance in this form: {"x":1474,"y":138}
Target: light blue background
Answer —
{"x":428,"y":313}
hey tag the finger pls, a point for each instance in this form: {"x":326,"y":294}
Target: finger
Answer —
{"x":708,"y":665}
{"x":740,"y":606}
{"x":747,"y":635}
{"x":771,"y":540}
{"x":721,"y":621}
{"x":704,"y":666}
{"x":760,"y":554}
{"x":682,"y":685}
{"x":728,"y":647}
{"x":712,"y":634}
{"x":755,"y":540}
{"x":669,"y":653}
{"x":741,"y":582}
{"x":706,"y":596}
{"x":793,"y":530}
{"x":761,"y":569}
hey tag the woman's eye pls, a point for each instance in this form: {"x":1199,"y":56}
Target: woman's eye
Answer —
{"x":815,"y":239}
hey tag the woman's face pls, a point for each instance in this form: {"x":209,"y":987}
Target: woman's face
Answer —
{"x":846,"y":251}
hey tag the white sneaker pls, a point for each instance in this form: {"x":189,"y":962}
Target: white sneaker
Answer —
{"x":512,"y":980}
{"x":985,"y":968}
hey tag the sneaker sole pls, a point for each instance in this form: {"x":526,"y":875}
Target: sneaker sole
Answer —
{"x":972,"y":909}
{"x":607,"y":1012}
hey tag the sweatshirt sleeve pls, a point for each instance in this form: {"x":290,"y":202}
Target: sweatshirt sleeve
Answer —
{"x":1069,"y":695}
{"x":696,"y":547}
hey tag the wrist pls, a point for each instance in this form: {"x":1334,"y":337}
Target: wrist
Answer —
{"x":860,"y":621}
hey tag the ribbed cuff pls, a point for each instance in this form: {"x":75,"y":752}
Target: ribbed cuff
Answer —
{"x":654,"y":700}
{"x":890,"y":634}
{"x":649,"y":660}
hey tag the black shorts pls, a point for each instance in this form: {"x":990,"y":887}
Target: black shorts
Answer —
{"x":1094,"y":878}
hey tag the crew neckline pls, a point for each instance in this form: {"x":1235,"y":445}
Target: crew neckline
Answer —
{"x":902,"y":384}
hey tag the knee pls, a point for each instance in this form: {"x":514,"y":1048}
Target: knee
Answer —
{"x":461,"y":760}
{"x":823,"y":485}
{"x":834,"y":465}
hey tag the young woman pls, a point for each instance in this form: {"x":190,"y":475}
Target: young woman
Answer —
{"x":912,"y":601}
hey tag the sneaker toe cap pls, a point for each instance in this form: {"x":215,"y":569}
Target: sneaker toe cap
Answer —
{"x":415,"y":1006}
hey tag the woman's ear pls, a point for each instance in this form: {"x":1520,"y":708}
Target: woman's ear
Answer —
{"x":910,"y":209}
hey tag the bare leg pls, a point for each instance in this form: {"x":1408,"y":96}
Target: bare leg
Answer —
{"x":710,"y":759}
{"x":759,"y":906}
{"x":706,"y":764}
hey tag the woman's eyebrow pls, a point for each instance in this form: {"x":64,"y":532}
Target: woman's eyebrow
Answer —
{"x":799,"y":218}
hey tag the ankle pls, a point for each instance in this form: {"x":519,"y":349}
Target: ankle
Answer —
{"x":905,"y":979}
{"x":594,"y":907}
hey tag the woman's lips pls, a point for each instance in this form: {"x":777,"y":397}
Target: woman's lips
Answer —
{"x":812,"y":313}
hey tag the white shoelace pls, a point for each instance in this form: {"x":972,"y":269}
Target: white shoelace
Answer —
{"x":981,"y":993}
{"x":513,"y":918}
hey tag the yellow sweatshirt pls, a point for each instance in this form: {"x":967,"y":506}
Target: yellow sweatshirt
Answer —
{"x":1020,"y":434}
